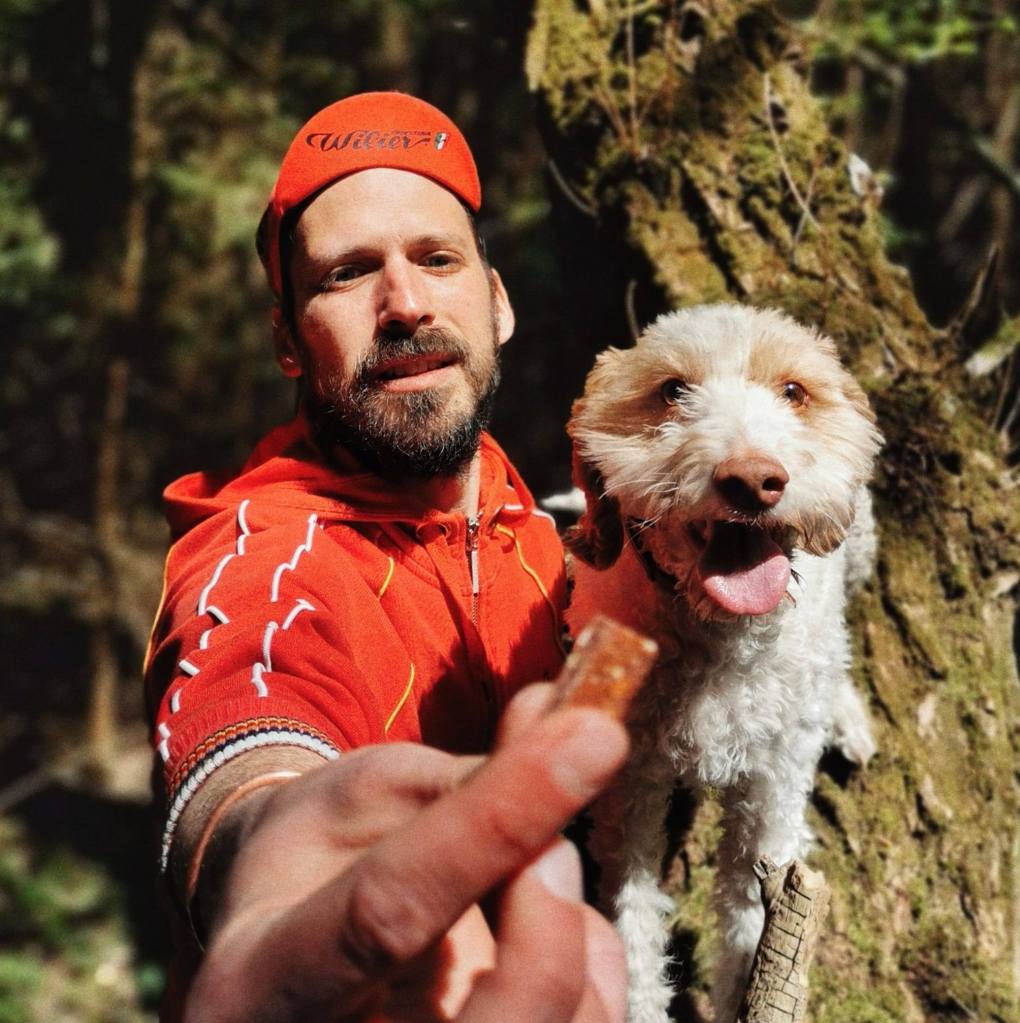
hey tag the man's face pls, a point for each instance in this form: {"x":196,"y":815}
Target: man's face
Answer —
{"x":399,"y":323}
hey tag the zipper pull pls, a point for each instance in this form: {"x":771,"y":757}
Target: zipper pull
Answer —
{"x":472,"y":550}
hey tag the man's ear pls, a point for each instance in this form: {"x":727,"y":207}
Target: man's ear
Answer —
{"x":287,"y":357}
{"x":505,"y":320}
{"x":598,"y":536}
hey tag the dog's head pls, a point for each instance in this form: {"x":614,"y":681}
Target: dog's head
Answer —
{"x":726,"y":438}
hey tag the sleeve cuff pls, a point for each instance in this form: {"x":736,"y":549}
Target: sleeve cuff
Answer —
{"x":257,"y":735}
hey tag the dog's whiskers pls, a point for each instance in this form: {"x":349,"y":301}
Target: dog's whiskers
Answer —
{"x":641,"y":525}
{"x":636,"y":528}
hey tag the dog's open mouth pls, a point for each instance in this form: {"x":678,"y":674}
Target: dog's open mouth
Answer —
{"x":742,"y":568}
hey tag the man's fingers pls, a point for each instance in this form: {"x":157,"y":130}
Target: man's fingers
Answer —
{"x":559,"y":869}
{"x":524,"y":710}
{"x":540,"y":960}
{"x":604,"y":999}
{"x":605,"y":994}
{"x":415,"y":883}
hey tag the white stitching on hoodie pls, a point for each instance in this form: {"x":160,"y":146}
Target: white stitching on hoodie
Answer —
{"x":164,"y":748}
{"x":204,"y":607}
{"x":289,"y":566}
{"x":259,"y":668}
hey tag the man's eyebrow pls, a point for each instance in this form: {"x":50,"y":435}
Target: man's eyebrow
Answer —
{"x":439,"y":241}
{"x":336,"y":257}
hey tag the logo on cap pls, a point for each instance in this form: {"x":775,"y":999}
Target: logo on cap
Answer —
{"x":374,"y":138}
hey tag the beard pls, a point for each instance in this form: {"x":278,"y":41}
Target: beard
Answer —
{"x":416,"y":434}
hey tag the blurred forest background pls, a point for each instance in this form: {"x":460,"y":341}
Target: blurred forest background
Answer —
{"x":139,"y":140}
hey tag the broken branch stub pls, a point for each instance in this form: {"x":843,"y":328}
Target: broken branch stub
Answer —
{"x":796,"y":902}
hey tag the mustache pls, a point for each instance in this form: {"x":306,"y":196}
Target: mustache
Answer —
{"x":423,"y":342}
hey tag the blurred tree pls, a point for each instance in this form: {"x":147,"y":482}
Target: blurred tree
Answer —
{"x":694,"y":165}
{"x":929,"y":95}
{"x":927,"y":92}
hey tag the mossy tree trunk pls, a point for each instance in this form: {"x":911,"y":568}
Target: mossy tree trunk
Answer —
{"x":692,"y":164}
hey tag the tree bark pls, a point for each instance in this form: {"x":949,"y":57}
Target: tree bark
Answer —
{"x":691,"y":164}
{"x":116,"y":311}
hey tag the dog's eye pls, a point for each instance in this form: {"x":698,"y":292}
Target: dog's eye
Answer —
{"x":674,"y":391}
{"x":794,"y":394}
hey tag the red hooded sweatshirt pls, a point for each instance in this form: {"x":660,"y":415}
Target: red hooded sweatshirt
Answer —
{"x":326,"y":609}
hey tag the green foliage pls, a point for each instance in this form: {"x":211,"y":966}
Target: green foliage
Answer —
{"x":907,"y":32}
{"x":921,"y":89}
{"x":28,"y":251}
{"x":64,"y":952}
{"x":49,"y":900}
{"x":21,"y":977}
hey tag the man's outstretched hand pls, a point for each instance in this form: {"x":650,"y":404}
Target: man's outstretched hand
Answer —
{"x":355,"y":893}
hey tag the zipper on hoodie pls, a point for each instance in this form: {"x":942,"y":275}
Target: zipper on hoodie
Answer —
{"x":472,"y":553}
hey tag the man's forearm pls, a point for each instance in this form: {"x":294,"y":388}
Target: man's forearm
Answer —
{"x":222,"y":845}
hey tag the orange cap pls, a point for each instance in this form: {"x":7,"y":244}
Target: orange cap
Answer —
{"x":373,"y":129}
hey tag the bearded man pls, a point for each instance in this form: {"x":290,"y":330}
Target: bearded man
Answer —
{"x":346,"y":625}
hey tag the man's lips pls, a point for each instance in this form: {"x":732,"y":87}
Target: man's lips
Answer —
{"x":415,"y":372}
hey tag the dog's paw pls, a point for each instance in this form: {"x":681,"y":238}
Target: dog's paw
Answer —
{"x":856,"y":743}
{"x":851,"y":729}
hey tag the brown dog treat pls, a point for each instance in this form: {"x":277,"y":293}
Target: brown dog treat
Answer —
{"x":606,"y":667}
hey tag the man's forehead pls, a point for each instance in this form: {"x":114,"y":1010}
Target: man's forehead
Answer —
{"x":381,"y":204}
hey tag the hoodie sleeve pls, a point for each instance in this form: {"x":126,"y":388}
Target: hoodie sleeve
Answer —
{"x":252,"y":647}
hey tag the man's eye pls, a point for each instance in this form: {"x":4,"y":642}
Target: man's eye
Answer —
{"x":343,"y":275}
{"x":439,"y":260}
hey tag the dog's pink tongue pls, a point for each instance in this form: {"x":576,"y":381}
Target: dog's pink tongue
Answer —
{"x":743,"y":570}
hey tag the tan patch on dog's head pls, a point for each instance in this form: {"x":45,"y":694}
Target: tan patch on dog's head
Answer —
{"x":623,"y":392}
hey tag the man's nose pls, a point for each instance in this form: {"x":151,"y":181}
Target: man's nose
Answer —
{"x":404,"y":303}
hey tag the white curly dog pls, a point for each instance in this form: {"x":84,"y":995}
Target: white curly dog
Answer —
{"x":724,"y":460}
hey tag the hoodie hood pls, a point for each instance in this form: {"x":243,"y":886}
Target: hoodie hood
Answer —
{"x":286,"y":470}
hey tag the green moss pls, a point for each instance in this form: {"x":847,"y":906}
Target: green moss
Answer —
{"x":850,"y":1007}
{"x":694,"y":917}
{"x":941,"y":962}
{"x":683,"y":269}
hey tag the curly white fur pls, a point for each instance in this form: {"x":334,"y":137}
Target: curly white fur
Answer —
{"x":741,"y":702}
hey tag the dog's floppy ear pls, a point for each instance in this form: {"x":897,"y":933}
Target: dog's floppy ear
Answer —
{"x":598,"y":536}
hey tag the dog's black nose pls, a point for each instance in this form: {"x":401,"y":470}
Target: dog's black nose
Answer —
{"x":750,"y":483}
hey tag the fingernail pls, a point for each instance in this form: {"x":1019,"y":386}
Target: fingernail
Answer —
{"x":559,"y":870}
{"x":589,"y":754}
